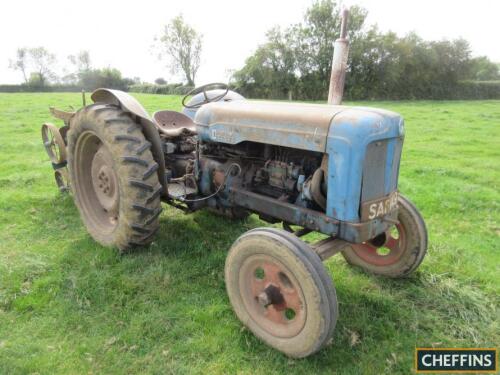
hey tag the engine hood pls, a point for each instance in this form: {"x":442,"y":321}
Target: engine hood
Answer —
{"x":297,"y":125}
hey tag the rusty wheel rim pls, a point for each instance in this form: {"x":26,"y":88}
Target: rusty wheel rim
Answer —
{"x":96,"y":182}
{"x":272,"y":296}
{"x":62,"y":179}
{"x":53,"y":143}
{"x":385,"y":249}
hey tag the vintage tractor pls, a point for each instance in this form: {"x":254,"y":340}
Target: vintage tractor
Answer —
{"x":331,"y":169}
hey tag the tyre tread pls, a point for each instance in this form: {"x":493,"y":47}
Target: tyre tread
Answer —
{"x":137,"y":172}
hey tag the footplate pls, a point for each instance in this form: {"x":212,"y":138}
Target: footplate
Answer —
{"x":179,"y":190}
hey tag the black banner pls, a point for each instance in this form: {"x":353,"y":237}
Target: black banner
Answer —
{"x":456,"y":360}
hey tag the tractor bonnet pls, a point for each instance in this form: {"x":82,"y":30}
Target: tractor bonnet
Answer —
{"x":302,"y":126}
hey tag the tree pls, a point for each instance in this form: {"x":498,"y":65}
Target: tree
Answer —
{"x":21,"y":62}
{"x":182,"y":45}
{"x":90,"y":78}
{"x":82,"y":64}
{"x":314,"y":43}
{"x":318,"y":32}
{"x":81,"y":61}
{"x":380,"y":65}
{"x":483,"y":69}
{"x":270,"y":71}
{"x":160,"y":81}
{"x":43,"y":62}
{"x":36,"y":65}
{"x":299,"y":58}
{"x":106,"y":77}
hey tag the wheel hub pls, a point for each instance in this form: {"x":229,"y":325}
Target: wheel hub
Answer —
{"x":104,"y":180}
{"x":271,"y":296}
{"x":273,"y":300}
{"x":385,"y":249}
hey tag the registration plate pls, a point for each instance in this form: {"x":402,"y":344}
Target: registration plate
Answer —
{"x":379,"y":207}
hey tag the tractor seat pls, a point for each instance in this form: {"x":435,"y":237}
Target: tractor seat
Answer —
{"x":174,"y":124}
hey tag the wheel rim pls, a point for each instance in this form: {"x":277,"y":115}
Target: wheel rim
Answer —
{"x":96,"y":182}
{"x":272,"y":296}
{"x":62,"y":180}
{"x":104,"y":179}
{"x":385,"y":249}
{"x":53,"y":143}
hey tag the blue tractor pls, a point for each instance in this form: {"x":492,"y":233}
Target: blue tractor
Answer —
{"x":331,"y":169}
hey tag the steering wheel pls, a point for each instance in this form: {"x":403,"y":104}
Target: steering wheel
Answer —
{"x":204,"y":89}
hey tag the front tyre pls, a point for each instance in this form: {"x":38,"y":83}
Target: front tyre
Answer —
{"x":397,"y":252}
{"x":280,"y":290}
{"x":113,"y":177}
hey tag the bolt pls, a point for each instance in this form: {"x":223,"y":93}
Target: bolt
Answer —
{"x":263,"y":299}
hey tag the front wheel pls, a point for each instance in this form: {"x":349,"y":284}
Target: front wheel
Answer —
{"x":280,"y":290}
{"x":397,"y":252}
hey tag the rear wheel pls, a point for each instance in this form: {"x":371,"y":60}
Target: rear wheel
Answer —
{"x":280,"y":290}
{"x":113,"y":177}
{"x":397,"y":252}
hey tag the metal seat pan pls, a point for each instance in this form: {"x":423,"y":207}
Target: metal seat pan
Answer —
{"x":174,"y":124}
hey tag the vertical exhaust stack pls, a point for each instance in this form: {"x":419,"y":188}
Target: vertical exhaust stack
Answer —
{"x":339,"y":63}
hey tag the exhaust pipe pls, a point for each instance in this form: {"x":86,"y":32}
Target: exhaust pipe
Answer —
{"x":339,"y":63}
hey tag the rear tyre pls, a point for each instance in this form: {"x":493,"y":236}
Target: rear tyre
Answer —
{"x":397,"y":252}
{"x":113,"y":177}
{"x":280,"y":290}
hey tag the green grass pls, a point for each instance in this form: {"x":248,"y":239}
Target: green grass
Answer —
{"x":68,"y":305}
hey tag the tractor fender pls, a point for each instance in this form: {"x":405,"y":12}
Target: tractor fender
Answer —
{"x":129,"y":104}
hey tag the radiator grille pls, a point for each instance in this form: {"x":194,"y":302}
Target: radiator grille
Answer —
{"x":381,"y":168}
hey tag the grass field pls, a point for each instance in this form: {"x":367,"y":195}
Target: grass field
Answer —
{"x":68,"y":305}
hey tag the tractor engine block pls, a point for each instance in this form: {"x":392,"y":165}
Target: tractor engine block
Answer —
{"x":277,"y":172}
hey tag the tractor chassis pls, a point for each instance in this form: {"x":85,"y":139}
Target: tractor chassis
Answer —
{"x":311,"y":219}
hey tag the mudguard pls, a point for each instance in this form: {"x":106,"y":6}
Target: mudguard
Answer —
{"x":129,"y":104}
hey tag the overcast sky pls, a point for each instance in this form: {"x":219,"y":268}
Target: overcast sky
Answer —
{"x":121,"y":33}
